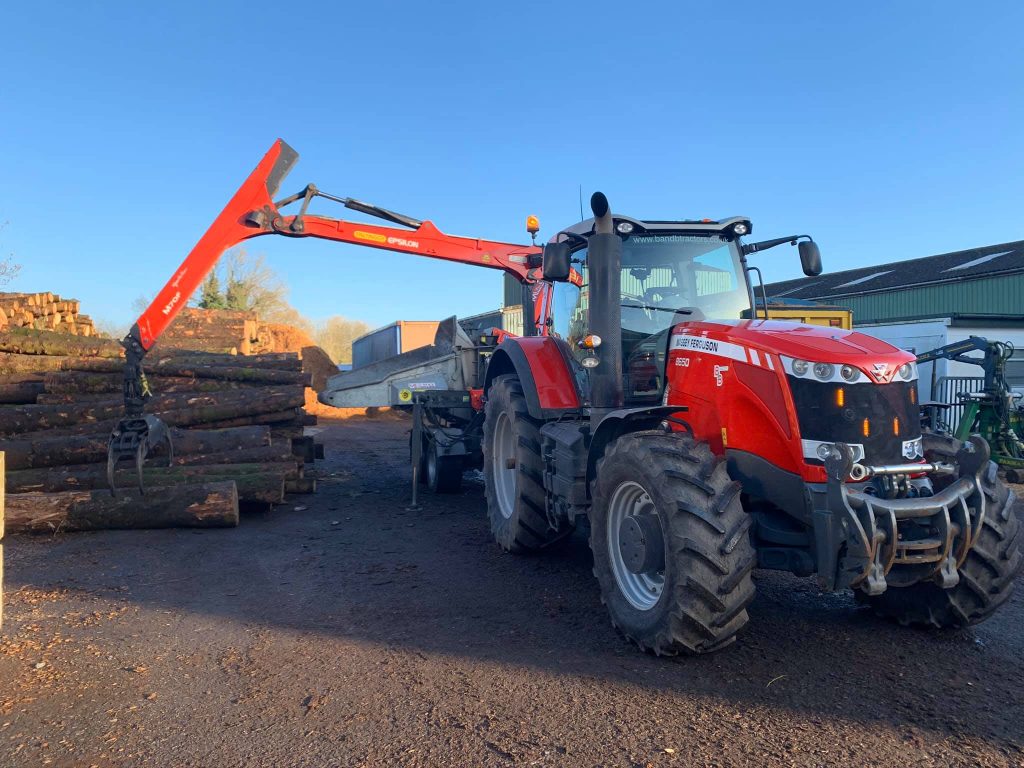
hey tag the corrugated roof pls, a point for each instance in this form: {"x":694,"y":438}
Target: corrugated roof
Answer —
{"x":1005,"y":258}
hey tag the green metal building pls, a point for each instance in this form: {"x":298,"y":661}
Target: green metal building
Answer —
{"x":981,"y":282}
{"x":922,"y":304}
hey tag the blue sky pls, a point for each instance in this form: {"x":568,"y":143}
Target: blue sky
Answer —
{"x":886,"y":132}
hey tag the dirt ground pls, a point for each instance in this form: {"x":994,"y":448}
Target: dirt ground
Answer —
{"x":346,"y":630}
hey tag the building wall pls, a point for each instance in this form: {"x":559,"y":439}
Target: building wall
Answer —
{"x":989,"y":296}
{"x":924,"y":335}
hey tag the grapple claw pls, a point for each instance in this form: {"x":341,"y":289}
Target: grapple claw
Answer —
{"x":134,"y":438}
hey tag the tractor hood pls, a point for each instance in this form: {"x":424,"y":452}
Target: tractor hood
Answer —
{"x":813,"y":343}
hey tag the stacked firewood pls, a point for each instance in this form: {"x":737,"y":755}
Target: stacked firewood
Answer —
{"x":237,"y":427}
{"x":44,"y":312}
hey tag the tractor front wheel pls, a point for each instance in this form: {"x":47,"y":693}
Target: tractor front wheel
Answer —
{"x":514,"y":472}
{"x":671,"y":544}
{"x":986,"y":576}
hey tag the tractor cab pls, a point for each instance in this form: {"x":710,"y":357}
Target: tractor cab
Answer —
{"x":661,"y":274}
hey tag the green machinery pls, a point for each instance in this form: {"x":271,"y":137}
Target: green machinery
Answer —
{"x":993,"y":412}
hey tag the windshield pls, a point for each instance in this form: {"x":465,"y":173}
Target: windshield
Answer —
{"x":666,"y":279}
{"x":696,"y":275}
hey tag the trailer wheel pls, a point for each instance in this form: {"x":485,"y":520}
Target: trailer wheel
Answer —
{"x":443,"y":473}
{"x":671,"y":544}
{"x":987,"y":575}
{"x":514,"y":471}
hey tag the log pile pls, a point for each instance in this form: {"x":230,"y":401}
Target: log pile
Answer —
{"x":219,"y":331}
{"x":237,"y":426}
{"x":44,"y":312}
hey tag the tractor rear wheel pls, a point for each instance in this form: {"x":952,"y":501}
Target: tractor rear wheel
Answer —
{"x":514,"y":472}
{"x":671,"y":544}
{"x":986,"y":576}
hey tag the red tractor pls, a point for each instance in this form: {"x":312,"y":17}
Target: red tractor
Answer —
{"x":698,"y":440}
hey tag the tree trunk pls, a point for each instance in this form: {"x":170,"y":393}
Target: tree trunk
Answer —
{"x":225,"y":372}
{"x":208,"y":505}
{"x":20,"y":393}
{"x":258,"y":483}
{"x":48,"y":451}
{"x":26,"y":342}
{"x":213,"y":407}
{"x":66,"y":386}
{"x":288,"y":417}
{"x":273,"y":453}
{"x":38,"y":364}
{"x":283,"y":361}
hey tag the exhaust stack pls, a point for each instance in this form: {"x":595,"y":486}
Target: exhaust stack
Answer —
{"x":604,"y":261}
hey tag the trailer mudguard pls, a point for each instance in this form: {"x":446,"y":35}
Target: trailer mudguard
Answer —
{"x":542,"y":364}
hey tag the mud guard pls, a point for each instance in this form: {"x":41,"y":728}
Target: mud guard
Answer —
{"x":543,"y":366}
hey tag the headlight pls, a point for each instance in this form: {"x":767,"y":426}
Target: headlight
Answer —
{"x":824,"y":371}
{"x":906,"y":371}
{"x":800,"y":367}
{"x":624,"y":227}
{"x":849,"y":373}
{"x":590,"y":362}
{"x":740,"y":229}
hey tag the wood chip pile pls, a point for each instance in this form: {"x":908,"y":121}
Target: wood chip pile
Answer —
{"x":237,"y":427}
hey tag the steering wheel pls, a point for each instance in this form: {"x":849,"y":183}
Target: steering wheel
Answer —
{"x":662,"y":293}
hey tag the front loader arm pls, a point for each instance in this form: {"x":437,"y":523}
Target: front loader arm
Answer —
{"x":252,"y":212}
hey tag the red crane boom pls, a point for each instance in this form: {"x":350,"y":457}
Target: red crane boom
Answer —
{"x":252,"y":212}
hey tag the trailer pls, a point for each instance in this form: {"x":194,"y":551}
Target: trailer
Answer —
{"x":440,"y":384}
{"x":393,"y":339}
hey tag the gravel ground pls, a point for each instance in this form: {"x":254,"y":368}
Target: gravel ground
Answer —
{"x":345,"y":630}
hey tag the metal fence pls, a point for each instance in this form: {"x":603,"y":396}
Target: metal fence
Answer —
{"x":946,"y":389}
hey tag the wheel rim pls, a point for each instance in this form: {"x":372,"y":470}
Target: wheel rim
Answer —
{"x":503,"y":465}
{"x":641,"y":590}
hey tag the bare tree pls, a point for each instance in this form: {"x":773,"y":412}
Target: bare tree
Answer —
{"x":251,"y":285}
{"x":336,"y":334}
{"x":8,"y":269}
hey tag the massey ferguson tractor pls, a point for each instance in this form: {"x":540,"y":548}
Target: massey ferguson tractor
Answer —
{"x":646,"y":396}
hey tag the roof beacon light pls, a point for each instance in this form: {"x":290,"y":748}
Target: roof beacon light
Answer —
{"x":532,"y":225}
{"x":624,"y":227}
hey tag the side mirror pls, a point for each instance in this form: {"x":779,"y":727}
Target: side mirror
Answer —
{"x":556,"y":262}
{"x":810,"y":258}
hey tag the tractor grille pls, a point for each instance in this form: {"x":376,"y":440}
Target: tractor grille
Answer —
{"x":879,"y":417}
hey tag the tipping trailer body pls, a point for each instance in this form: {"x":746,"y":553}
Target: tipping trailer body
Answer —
{"x":446,"y":363}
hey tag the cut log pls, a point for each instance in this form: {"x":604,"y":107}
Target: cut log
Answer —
{"x":21,"y":393}
{"x":262,"y":455}
{"x":279,"y":362}
{"x":258,"y":483}
{"x":225,"y":372}
{"x":38,"y":364}
{"x":81,"y":383}
{"x":300,"y":485}
{"x":173,"y":410}
{"x":290,"y":417}
{"x":207,"y":505}
{"x":47,"y":342}
{"x":48,"y":451}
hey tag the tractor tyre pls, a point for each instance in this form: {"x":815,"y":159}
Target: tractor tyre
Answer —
{"x":671,"y":544}
{"x":443,"y":473}
{"x":986,"y":576}
{"x":514,"y":472}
